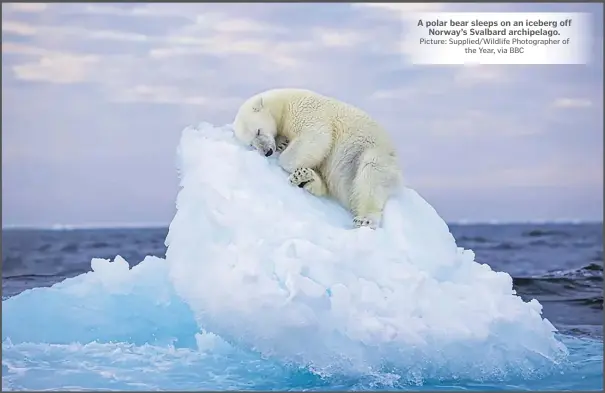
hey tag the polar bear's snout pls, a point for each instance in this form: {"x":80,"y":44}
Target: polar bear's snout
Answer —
{"x":264,"y":144}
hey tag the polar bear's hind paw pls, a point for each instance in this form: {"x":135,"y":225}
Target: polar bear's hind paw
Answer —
{"x":301,"y":176}
{"x":364,"y":222}
{"x":308,"y":179}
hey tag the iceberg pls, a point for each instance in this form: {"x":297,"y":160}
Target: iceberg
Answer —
{"x":269,"y":267}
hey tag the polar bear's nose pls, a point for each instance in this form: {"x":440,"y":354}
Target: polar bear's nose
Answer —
{"x":268,"y":153}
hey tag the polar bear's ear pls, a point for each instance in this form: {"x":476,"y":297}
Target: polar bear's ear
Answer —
{"x":257,"y":105}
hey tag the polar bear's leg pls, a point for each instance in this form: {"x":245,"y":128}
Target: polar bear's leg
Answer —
{"x":372,"y":186}
{"x":310,"y":180}
{"x":307,"y":150}
{"x":370,"y":204}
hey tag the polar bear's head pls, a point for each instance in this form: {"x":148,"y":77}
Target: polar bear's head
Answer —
{"x":255,"y":126}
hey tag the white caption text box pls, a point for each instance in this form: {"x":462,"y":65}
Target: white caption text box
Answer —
{"x":498,"y":38}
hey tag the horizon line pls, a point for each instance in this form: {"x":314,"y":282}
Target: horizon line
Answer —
{"x":69,"y":227}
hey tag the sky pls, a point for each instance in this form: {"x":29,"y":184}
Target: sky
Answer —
{"x":95,"y":96}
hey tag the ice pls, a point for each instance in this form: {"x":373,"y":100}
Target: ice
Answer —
{"x":109,"y":304}
{"x":272,"y":268}
{"x":260,"y":275}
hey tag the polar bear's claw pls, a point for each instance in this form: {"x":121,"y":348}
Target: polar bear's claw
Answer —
{"x":364,"y":222}
{"x":281,"y":142}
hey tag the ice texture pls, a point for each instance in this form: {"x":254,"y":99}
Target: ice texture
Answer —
{"x":277,"y":270}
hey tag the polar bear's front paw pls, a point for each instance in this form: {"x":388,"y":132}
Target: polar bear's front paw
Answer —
{"x":301,"y":176}
{"x":281,"y":142}
{"x":360,"y":221}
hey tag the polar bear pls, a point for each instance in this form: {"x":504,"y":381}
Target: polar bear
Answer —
{"x":330,"y":148}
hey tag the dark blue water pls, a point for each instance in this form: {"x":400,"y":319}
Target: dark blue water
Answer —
{"x":561,"y":265}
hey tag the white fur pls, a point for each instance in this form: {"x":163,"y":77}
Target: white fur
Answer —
{"x":332,"y":148}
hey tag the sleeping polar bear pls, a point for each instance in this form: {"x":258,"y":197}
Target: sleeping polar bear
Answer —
{"x":329,"y":148}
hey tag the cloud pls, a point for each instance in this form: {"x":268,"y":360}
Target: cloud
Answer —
{"x":222,"y":23}
{"x":572,"y":103}
{"x":9,"y":47}
{"x":340,"y":37}
{"x":392,"y":8}
{"x":552,"y":174}
{"x":208,"y":34}
{"x":58,"y":68}
{"x":475,"y":123}
{"x":470,"y":75}
{"x":18,"y":28}
{"x":170,"y":95}
{"x":28,"y":7}
{"x":77,"y":33}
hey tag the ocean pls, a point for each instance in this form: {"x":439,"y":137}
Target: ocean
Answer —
{"x":560,"y":265}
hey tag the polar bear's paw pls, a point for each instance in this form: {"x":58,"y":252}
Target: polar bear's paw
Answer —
{"x":281,"y":142}
{"x":302,"y":176}
{"x":360,"y":221}
{"x":308,"y":179}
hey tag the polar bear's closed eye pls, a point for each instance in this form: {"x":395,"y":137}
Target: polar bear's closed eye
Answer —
{"x":257,"y":128}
